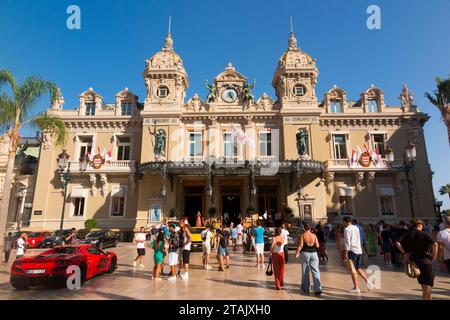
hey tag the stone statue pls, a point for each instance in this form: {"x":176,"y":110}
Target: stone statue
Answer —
{"x":302,"y":142}
{"x":247,"y":91}
{"x":21,"y":152}
{"x":211,"y":97}
{"x":406,"y":97}
{"x":160,"y":143}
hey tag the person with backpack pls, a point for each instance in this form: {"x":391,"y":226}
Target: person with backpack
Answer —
{"x":206,"y":246}
{"x":418,"y":247}
{"x":174,"y":244}
{"x":222,"y":248}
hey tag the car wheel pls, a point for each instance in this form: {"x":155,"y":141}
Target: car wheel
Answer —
{"x":83,"y":269}
{"x":19,"y":285}
{"x":112,"y":265}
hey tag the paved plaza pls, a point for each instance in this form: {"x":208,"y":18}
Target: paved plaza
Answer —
{"x":241,"y":281}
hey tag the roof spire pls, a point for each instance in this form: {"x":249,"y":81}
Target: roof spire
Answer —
{"x":292,"y":43}
{"x":168,"y":43}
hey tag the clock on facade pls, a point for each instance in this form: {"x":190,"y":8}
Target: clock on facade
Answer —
{"x":229,"y":95}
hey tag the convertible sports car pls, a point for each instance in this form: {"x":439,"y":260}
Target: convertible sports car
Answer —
{"x":50,"y":266}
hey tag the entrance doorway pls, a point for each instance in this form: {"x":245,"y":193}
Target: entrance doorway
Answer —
{"x":192,"y":205}
{"x":268,"y":201}
{"x":231,"y":208}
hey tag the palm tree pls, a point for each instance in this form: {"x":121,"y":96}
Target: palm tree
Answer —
{"x":441,"y":100}
{"x":445,"y":190}
{"x":15,"y":113}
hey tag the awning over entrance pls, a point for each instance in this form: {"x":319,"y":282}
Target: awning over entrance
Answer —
{"x":233,"y":168}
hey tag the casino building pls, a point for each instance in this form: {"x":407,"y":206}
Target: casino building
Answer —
{"x":308,"y":157}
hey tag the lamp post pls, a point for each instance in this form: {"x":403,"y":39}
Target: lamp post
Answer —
{"x":438,"y":205}
{"x":66,"y":177}
{"x":409,"y":158}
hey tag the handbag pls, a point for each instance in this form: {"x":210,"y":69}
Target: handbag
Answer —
{"x":269,"y":271}
{"x":412,"y":270}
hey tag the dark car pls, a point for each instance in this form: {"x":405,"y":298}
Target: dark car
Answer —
{"x":56,"y":239}
{"x":81,"y":233}
{"x":294,"y":234}
{"x":268,"y":235}
{"x":101,"y":239}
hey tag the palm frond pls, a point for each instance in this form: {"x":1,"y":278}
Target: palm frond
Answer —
{"x":32,"y":89}
{"x":52,"y":124}
{"x":445,"y":189}
{"x":7,"y":111}
{"x":6,"y":77}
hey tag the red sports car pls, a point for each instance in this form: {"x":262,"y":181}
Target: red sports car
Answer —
{"x":34,"y":239}
{"x":50,"y":267}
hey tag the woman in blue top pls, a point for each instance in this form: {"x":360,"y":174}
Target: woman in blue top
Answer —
{"x":258,"y":234}
{"x":158,"y":254}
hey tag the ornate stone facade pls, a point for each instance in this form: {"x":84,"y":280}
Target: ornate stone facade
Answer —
{"x":231,"y":152}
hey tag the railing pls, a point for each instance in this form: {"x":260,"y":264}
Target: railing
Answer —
{"x":266,"y":158}
{"x":345,"y":164}
{"x":194,"y":158}
{"x":118,"y":166}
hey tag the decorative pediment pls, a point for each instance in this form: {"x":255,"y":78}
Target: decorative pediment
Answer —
{"x":374,"y":92}
{"x":126,"y":95}
{"x":90,"y":95}
{"x":230,"y":74}
{"x":196,"y":104}
{"x":264,"y":103}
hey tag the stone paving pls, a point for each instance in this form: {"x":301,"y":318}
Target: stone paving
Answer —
{"x":242,"y":281}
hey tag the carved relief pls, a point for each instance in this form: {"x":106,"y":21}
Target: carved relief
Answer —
{"x":406,"y":97}
{"x":329,"y":179}
{"x":370,"y":180}
{"x":59,"y":101}
{"x":195,"y":104}
{"x":400,"y":178}
{"x":104,"y":182}
{"x":264,"y":103}
{"x":93,"y":181}
{"x":359,"y":176}
{"x":47,"y":140}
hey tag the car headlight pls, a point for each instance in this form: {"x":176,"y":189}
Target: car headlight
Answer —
{"x":94,"y":241}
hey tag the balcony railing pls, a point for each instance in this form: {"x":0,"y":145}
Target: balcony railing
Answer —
{"x":344,"y":164}
{"x":266,"y":158}
{"x":114,"y":166}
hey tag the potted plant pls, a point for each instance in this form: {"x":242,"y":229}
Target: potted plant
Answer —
{"x":90,"y":224}
{"x":173,"y":212}
{"x":249,"y":211}
{"x":212,"y":212}
{"x":288,"y":211}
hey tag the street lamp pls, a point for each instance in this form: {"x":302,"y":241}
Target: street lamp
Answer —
{"x":409,"y":158}
{"x":438,"y":207}
{"x":66,"y":177}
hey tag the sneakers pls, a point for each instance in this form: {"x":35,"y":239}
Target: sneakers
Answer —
{"x":141,"y":265}
{"x":157,"y":279}
{"x":208,"y":267}
{"x":184,"y":276}
{"x":354,"y":290}
{"x":172,"y":278}
{"x":134,"y":263}
{"x":370,"y":285}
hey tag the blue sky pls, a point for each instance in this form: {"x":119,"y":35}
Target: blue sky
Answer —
{"x":116,"y":38}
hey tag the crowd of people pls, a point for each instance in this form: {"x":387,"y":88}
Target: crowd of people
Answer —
{"x":418,"y":242}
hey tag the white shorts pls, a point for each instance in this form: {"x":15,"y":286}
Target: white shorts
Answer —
{"x":206,"y":248}
{"x":259,"y":248}
{"x":173,"y":258}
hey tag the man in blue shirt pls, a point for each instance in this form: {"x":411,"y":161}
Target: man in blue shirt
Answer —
{"x":258,"y":234}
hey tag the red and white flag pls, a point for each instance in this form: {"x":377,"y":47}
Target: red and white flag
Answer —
{"x":241,"y":137}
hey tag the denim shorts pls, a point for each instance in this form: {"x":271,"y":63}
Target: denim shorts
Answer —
{"x":222,"y":251}
{"x":356,"y":259}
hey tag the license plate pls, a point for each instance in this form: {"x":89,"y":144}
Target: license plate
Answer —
{"x":36,"y":271}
